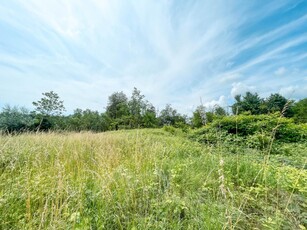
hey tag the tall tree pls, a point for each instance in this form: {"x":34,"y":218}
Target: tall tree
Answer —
{"x":219,"y":111}
{"x":117,"y":106}
{"x":137,"y":107}
{"x":170,"y":116}
{"x":49,"y":105}
{"x":251,"y":103}
{"x":47,"y":108}
{"x":199,"y":117}
{"x":149,"y":119}
{"x":237,"y":106}
{"x":275,"y":103}
{"x":118,"y":110}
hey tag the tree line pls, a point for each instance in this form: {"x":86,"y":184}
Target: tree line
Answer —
{"x":137,"y":112}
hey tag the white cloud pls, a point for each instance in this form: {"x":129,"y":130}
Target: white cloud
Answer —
{"x":287,"y":91}
{"x":230,"y":77}
{"x":294,"y":92}
{"x":241,"y":88}
{"x":222,"y":101}
{"x":174,"y":52}
{"x":280,"y":71}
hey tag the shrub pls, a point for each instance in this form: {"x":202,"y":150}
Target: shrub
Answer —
{"x":253,"y":131}
{"x":14,"y":119}
{"x":246,"y":125}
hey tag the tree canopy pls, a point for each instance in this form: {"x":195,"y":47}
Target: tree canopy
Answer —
{"x":137,"y":112}
{"x":49,"y":105}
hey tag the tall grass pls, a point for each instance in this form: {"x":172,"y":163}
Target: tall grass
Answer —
{"x":144,"y":179}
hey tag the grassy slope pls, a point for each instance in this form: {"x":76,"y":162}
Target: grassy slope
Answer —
{"x":146,"y":179}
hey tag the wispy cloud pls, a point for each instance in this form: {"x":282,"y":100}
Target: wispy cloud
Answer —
{"x":173,"y":51}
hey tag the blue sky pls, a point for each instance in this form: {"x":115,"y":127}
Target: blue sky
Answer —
{"x":174,"y":51}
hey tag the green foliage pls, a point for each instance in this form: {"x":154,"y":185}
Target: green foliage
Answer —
{"x":49,"y":105}
{"x":14,"y":119}
{"x":48,"y":111}
{"x":275,"y":103}
{"x":300,"y":111}
{"x":199,"y":117}
{"x":244,"y":125}
{"x":117,"y":105}
{"x":137,"y":112}
{"x":149,"y":119}
{"x":87,"y":120}
{"x":250,"y":102}
{"x":197,"y":120}
{"x":137,"y":107}
{"x":219,"y":111}
{"x":147,"y":179}
{"x":170,"y":116}
{"x":253,"y":104}
{"x":254,"y":131}
{"x":209,"y":117}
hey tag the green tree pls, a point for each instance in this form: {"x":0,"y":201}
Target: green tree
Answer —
{"x":300,"y":111}
{"x":199,"y":117}
{"x":118,"y":110}
{"x":170,"y":116}
{"x":250,"y":103}
{"x":275,"y":103}
{"x":14,"y":119}
{"x":219,"y":111}
{"x":137,"y":107}
{"x":149,"y":119}
{"x":94,"y":121}
{"x":209,"y":117}
{"x":117,"y":106}
{"x":47,"y":110}
{"x":237,"y":106}
{"x":49,"y":105}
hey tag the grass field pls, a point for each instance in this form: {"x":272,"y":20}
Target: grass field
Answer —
{"x":148,"y":179}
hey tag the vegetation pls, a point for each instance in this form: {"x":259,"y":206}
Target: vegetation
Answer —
{"x":136,"y":112}
{"x":148,"y":179}
{"x":245,"y":170}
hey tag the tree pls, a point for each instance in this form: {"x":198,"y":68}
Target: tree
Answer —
{"x":14,"y":119}
{"x":170,"y":116}
{"x":49,"y":105}
{"x":199,"y":117}
{"x":219,"y":111}
{"x":300,"y":111}
{"x":275,"y":103}
{"x":149,"y":119}
{"x":117,"y":106}
{"x":237,"y":106}
{"x":117,"y":110}
{"x":249,"y":103}
{"x":94,"y":121}
{"x":137,"y":107}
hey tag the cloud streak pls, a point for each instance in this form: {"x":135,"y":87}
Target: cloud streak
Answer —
{"x":173,"y":51}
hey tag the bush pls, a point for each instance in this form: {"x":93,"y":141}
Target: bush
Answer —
{"x":259,"y":141}
{"x":253,"y":131}
{"x":245,"y":125}
{"x":14,"y":119}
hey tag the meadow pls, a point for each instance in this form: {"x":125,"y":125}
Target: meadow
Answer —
{"x":148,"y":179}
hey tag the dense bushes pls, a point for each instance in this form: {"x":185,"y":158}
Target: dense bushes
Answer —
{"x":14,"y":119}
{"x":283,"y":129}
{"x":254,"y":131}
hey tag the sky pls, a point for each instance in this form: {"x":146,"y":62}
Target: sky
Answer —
{"x":176,"y":52}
